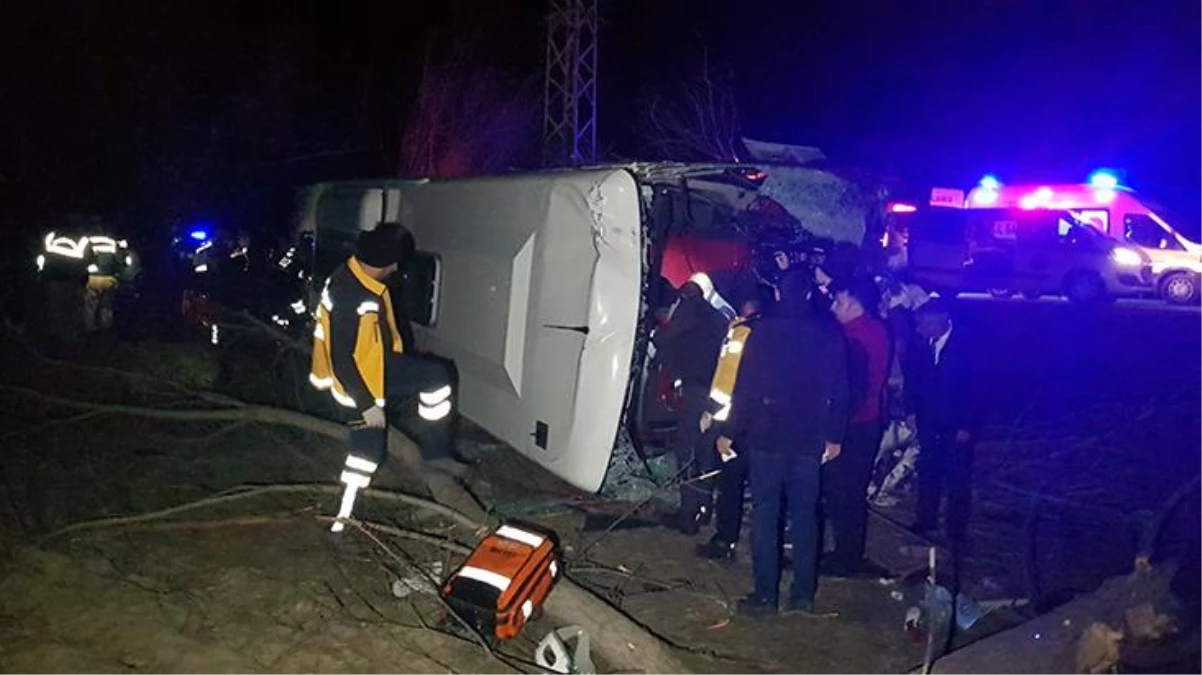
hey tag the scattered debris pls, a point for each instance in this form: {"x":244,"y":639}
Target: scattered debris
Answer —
{"x":552,"y":652}
{"x":1098,"y":649}
{"x":1145,"y":623}
{"x":417,"y":581}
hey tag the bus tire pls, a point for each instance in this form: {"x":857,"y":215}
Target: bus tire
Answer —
{"x":1085,"y":287}
{"x":1001,"y":293}
{"x":1180,"y":288}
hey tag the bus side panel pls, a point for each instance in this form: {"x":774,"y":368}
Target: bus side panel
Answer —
{"x":615,"y":308}
{"x":539,"y":300}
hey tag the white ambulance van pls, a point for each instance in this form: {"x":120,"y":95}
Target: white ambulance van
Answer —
{"x":1119,"y":213}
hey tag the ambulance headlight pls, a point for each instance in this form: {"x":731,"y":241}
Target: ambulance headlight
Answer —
{"x":1126,"y":257}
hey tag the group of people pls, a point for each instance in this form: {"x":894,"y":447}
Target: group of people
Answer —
{"x":80,"y":275}
{"x":790,"y":397}
{"x":788,"y":394}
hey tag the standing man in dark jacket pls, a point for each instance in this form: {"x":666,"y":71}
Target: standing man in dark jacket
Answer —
{"x":728,"y":507}
{"x":689,"y":345}
{"x":788,"y":414}
{"x":939,"y":393}
{"x":845,"y":482}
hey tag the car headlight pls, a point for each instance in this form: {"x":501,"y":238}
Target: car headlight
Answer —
{"x":1126,"y":257}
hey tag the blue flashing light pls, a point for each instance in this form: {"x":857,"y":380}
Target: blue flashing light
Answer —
{"x":990,"y":182}
{"x":986,"y":197}
{"x":199,"y":234}
{"x":1103,"y":180}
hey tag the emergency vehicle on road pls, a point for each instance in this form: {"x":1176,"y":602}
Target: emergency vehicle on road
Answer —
{"x":1117,"y":212}
{"x":1034,"y":252}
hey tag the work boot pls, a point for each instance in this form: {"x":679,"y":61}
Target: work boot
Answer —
{"x":754,"y":607}
{"x":716,"y":549}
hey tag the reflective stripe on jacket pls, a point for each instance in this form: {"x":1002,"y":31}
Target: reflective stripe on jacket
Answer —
{"x":349,"y":342}
{"x":722,"y":389}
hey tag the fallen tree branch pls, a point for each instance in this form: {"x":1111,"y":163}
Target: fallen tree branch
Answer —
{"x":1151,"y":531}
{"x":241,"y":521}
{"x":384,"y":495}
{"x":426,"y":538}
{"x":622,"y":642}
{"x":206,"y":396}
{"x":1048,"y":643}
{"x":51,"y":424}
{"x":301,"y":346}
{"x":398,"y":445}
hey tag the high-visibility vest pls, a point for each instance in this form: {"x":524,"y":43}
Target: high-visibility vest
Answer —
{"x":91,"y":254}
{"x":722,"y":389}
{"x":373,"y":304}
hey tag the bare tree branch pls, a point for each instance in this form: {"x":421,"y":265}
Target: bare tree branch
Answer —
{"x":699,"y":122}
{"x":467,"y":120}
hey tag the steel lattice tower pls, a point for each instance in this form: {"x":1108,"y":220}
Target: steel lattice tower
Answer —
{"x":570,"y":97}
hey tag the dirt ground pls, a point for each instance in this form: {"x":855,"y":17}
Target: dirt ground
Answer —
{"x":280,"y":595}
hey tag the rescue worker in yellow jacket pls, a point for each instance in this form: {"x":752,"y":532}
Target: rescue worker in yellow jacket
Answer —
{"x":62,"y":268}
{"x":360,"y":357}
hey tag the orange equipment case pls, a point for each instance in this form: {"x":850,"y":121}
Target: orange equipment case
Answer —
{"x":505,"y":580}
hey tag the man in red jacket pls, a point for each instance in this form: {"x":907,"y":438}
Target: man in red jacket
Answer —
{"x":845,"y":480}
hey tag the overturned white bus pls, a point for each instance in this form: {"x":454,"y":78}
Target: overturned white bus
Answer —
{"x":539,"y":286}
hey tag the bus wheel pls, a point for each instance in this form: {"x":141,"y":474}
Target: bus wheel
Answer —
{"x":1001,"y":293}
{"x":1032,"y":295}
{"x":1180,"y":288}
{"x":1084,"y":287}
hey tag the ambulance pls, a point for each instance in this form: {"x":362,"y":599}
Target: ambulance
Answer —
{"x":1114,"y":210}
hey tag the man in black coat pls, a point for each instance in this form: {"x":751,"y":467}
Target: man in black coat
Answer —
{"x":688,"y":347}
{"x":788,"y":415}
{"x":731,"y":483}
{"x":940,"y":394}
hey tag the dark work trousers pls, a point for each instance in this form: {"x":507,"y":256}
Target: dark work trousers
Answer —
{"x":944,"y":464}
{"x":63,"y":317}
{"x":728,"y":507}
{"x":407,"y":376}
{"x":845,"y":489}
{"x":795,"y":480}
{"x":695,"y":454}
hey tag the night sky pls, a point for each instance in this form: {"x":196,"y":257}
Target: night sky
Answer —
{"x":156,"y":110}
